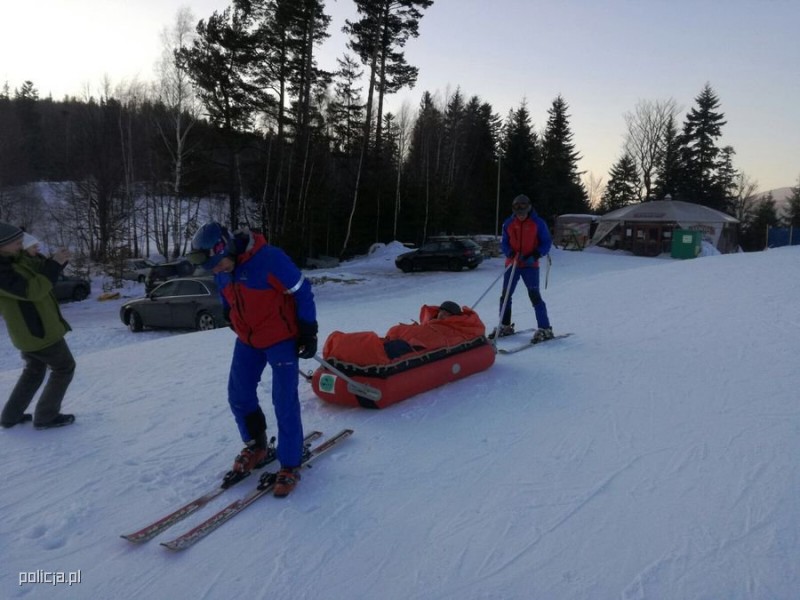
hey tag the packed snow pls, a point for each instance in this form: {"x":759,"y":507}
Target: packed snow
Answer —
{"x":653,"y":454}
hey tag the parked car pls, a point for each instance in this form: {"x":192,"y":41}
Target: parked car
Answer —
{"x":452,"y":254}
{"x":183,"y":303}
{"x":169,"y":270}
{"x":69,"y":288}
{"x":136,"y":269}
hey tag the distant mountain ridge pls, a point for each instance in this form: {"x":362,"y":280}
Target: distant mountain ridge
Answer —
{"x":780,"y":194}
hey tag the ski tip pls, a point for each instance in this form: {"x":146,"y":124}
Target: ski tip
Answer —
{"x":171,"y":547}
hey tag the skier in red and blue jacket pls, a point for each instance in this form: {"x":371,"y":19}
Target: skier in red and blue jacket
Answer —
{"x":271,"y":309}
{"x":526,"y":239}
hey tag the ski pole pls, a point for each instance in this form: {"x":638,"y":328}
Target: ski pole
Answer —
{"x":353,"y":386}
{"x":547,"y":273}
{"x":505,"y":302}
{"x":490,"y":287}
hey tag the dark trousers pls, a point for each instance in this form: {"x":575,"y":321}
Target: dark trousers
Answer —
{"x":62,"y":367}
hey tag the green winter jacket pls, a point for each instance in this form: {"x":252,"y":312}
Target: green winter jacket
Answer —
{"x":27,"y":302}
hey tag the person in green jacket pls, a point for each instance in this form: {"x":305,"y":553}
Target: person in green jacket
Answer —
{"x":35,"y":325}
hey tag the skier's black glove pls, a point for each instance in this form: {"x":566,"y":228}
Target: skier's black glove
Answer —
{"x":307,"y":339}
{"x":226,"y":312}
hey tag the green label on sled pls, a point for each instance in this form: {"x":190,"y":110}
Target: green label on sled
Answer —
{"x":327,"y":383}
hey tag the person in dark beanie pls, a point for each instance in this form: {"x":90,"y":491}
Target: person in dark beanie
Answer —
{"x":526,"y":239}
{"x":36,"y":327}
{"x":271,"y":309}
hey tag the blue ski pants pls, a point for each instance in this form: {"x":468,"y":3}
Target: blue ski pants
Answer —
{"x":530,"y":277}
{"x":246,"y":369}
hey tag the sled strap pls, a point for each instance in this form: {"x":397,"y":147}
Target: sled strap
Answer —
{"x":353,"y":386}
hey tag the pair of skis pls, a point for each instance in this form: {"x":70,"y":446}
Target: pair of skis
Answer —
{"x":265,"y":486}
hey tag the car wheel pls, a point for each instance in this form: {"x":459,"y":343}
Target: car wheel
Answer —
{"x":135,"y":322}
{"x":80,"y":293}
{"x":206,"y":321}
{"x":470,"y":267}
{"x":455,"y":265}
{"x":406,"y":266}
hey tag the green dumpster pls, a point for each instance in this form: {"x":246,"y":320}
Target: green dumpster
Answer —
{"x":686,"y":243}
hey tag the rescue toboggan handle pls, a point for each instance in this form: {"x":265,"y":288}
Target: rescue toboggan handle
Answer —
{"x":353,"y":386}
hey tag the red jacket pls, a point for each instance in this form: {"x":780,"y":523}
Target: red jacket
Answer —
{"x":521,"y":238}
{"x":266,"y":295}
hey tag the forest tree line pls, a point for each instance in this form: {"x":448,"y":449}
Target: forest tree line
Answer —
{"x":241,"y":125}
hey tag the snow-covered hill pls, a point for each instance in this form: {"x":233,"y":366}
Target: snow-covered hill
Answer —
{"x":654,"y":454}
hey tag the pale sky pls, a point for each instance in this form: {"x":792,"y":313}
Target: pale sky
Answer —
{"x":602,"y":56}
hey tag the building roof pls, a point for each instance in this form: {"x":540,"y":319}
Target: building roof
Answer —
{"x":668,"y":211}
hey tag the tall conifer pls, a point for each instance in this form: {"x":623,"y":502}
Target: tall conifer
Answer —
{"x":699,"y":152}
{"x":623,"y":185}
{"x":561,"y":187}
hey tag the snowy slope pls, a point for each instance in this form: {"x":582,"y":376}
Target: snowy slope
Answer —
{"x":651,"y":455}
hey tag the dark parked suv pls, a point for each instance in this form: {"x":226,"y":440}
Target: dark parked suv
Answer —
{"x":453,"y":254}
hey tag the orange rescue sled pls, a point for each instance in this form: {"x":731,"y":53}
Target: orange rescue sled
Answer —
{"x":443,"y":351}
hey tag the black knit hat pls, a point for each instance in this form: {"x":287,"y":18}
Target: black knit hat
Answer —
{"x":9,"y":233}
{"x":451,"y":307}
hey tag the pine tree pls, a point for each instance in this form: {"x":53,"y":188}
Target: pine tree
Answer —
{"x":724,"y":187}
{"x":700,"y":153}
{"x":346,"y":112}
{"x":561,"y":187}
{"x":480,"y":140}
{"x":792,"y":214}
{"x":308,"y":25}
{"x":384,"y":27}
{"x":219,"y":63}
{"x":454,"y":124}
{"x":26,"y":104}
{"x":669,"y":166}
{"x":754,"y":232}
{"x":424,"y":165}
{"x":520,"y":157}
{"x":623,"y":185}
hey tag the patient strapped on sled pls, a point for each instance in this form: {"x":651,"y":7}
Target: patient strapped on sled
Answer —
{"x":443,"y":326}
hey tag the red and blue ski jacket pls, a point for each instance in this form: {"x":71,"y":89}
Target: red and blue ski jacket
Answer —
{"x":522,"y":238}
{"x":265,"y":295}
